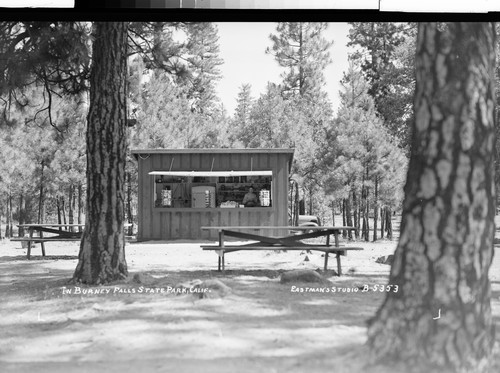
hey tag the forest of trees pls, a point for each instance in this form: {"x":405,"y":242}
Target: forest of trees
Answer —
{"x":70,"y":93}
{"x":172,"y":72}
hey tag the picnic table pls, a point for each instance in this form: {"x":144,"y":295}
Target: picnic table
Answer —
{"x":292,"y":241}
{"x":37,"y":234}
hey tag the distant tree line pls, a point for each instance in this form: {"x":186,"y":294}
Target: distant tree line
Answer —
{"x":173,"y":69}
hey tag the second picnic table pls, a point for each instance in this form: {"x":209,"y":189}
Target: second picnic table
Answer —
{"x":287,"y":242}
{"x":56,"y":231}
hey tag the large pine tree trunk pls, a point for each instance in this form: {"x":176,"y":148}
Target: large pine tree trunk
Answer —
{"x":446,"y":246}
{"x":102,"y":250}
{"x":497,"y":128}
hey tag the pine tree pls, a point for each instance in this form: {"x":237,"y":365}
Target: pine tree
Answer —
{"x":300,"y":48}
{"x":268,"y":125}
{"x":359,"y":153}
{"x":445,"y":250}
{"x":386,"y":53}
{"x":241,"y":119}
{"x":165,"y":119}
{"x":203,"y":61}
{"x":102,"y":249}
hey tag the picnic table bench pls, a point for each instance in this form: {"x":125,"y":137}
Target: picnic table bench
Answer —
{"x":58,"y":234}
{"x":289,"y":242}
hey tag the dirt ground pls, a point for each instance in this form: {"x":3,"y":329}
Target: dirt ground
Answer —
{"x":48,"y":325}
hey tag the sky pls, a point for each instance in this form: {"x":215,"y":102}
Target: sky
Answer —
{"x":242,"y":47}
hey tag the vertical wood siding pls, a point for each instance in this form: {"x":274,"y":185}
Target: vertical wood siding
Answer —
{"x":185,"y":223}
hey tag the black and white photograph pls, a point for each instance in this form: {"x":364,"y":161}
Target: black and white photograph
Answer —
{"x":194,"y":191}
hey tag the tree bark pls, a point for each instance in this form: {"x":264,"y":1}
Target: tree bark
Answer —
{"x":445,"y":250}
{"x":41,"y":196}
{"x":365,"y":209}
{"x":344,"y":233}
{"x":333,"y":213}
{"x":8,"y":218}
{"x":348,"y":214}
{"x":59,"y":217}
{"x":63,"y":211}
{"x":302,"y":207}
{"x":356,"y":214}
{"x":375,"y":209}
{"x":311,"y":210}
{"x":388,"y":222}
{"x":382,"y":221}
{"x":80,"y":205}
{"x":102,"y":251}
{"x":129,"y":206}
{"x":71,"y":210}
{"x":497,"y":128}
{"x":21,"y":215}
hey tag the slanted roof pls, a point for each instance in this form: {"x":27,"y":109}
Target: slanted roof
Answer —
{"x":214,"y":151}
{"x":144,"y":152}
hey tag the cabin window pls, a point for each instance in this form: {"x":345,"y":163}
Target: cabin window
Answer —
{"x":177,"y":190}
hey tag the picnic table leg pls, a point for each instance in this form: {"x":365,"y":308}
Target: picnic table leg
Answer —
{"x":42,"y":244}
{"x":339,"y":267}
{"x":29,"y":242}
{"x":221,"y":257}
{"x":220,"y":253}
{"x":326,"y":260}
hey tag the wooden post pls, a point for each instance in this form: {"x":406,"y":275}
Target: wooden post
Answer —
{"x":29,"y":242}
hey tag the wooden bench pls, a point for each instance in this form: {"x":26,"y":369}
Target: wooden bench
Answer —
{"x":41,"y":240}
{"x":339,"y":251}
{"x":44,"y":239}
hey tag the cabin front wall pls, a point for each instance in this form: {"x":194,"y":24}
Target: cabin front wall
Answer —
{"x":166,"y":223}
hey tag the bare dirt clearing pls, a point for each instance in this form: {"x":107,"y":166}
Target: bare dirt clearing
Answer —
{"x":261,"y":325}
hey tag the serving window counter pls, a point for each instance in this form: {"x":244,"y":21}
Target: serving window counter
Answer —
{"x":182,"y":191}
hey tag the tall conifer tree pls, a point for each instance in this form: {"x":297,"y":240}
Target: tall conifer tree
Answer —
{"x":438,"y":313}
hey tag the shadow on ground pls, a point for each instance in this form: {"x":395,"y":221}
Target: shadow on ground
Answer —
{"x":37,"y":257}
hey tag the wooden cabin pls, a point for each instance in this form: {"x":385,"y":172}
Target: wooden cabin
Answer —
{"x":182,"y":190}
